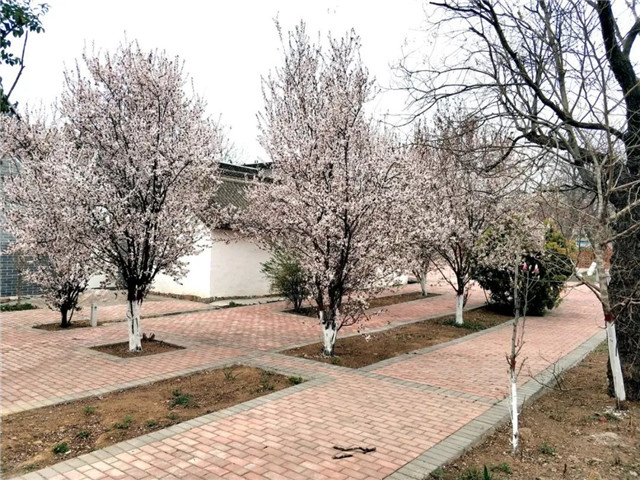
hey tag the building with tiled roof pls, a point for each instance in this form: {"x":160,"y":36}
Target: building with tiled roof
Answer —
{"x":230,"y":265}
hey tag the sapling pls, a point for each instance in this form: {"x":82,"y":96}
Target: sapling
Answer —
{"x":530,"y":275}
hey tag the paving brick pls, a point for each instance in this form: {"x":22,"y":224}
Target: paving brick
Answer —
{"x":418,"y":411}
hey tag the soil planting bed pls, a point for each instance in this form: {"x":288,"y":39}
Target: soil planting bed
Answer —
{"x":570,"y":433}
{"x":361,"y":350}
{"x":149,"y":347}
{"x":55,"y":327}
{"x":30,"y":438}
{"x":375,"y":302}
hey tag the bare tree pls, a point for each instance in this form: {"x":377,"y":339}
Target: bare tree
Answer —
{"x":589,"y":217}
{"x":560,"y":74}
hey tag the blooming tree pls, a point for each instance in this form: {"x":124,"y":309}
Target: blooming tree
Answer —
{"x":459,"y":192}
{"x":38,"y":209}
{"x":420,"y":224}
{"x":420,"y":258}
{"x":150,"y":167}
{"x":330,"y":199}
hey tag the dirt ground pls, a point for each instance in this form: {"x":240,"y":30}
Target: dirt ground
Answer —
{"x":570,"y":433}
{"x":72,"y":429}
{"x":149,"y":347}
{"x":361,"y":350}
{"x":376,"y":302}
{"x":55,"y":327}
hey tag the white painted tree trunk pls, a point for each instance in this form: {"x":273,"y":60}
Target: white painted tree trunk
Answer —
{"x":614,"y":360}
{"x":459,"y":308}
{"x":94,"y":315}
{"x":329,"y":331}
{"x":514,"y":410}
{"x":133,"y":324}
{"x":423,"y":284}
{"x":610,"y":327}
{"x":603,"y":281}
{"x":517,"y":334}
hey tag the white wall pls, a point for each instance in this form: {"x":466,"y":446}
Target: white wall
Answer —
{"x":196,"y":282}
{"x":236,"y":265}
{"x":229,"y":267}
{"x":96,"y":281}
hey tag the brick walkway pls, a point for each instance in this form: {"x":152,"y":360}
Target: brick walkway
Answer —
{"x":406,"y":407}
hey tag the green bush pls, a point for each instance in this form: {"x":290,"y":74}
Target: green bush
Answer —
{"x":543,"y":292}
{"x":184,"y":400}
{"x":15,"y":307}
{"x":287,"y":278}
{"x":60,"y":448}
{"x":296,"y":380}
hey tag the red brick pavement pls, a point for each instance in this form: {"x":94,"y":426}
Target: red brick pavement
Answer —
{"x":39,"y":366}
{"x":291,"y":434}
{"x":472,"y":366}
{"x":293,"y":437}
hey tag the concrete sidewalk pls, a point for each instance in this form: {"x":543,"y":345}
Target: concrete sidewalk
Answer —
{"x":418,"y":410}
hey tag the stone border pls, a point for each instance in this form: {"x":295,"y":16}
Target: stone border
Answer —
{"x":477,"y":429}
{"x":291,"y":313}
{"x":159,"y":435}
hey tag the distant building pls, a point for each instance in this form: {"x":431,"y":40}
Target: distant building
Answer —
{"x":231,"y":265}
{"x":11,"y":278}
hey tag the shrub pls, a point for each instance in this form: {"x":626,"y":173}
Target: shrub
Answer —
{"x":184,"y":400}
{"x":296,"y":380}
{"x":60,"y":448}
{"x":228,"y":374}
{"x":15,"y":307}
{"x":503,"y":467}
{"x":125,"y":424}
{"x":89,"y":410}
{"x":547,"y":449}
{"x":287,"y":278}
{"x":555,"y":267}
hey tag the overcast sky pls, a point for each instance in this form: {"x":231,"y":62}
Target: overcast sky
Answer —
{"x":227,"y":46}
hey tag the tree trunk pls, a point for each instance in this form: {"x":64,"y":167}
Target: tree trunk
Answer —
{"x":515,"y":436}
{"x":64,"y":321}
{"x":329,"y":331}
{"x":423,"y":285}
{"x":516,"y":335}
{"x":459,"y":307}
{"x":133,"y":324}
{"x":625,"y":272}
{"x":615,"y":368}
{"x":421,"y":276}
